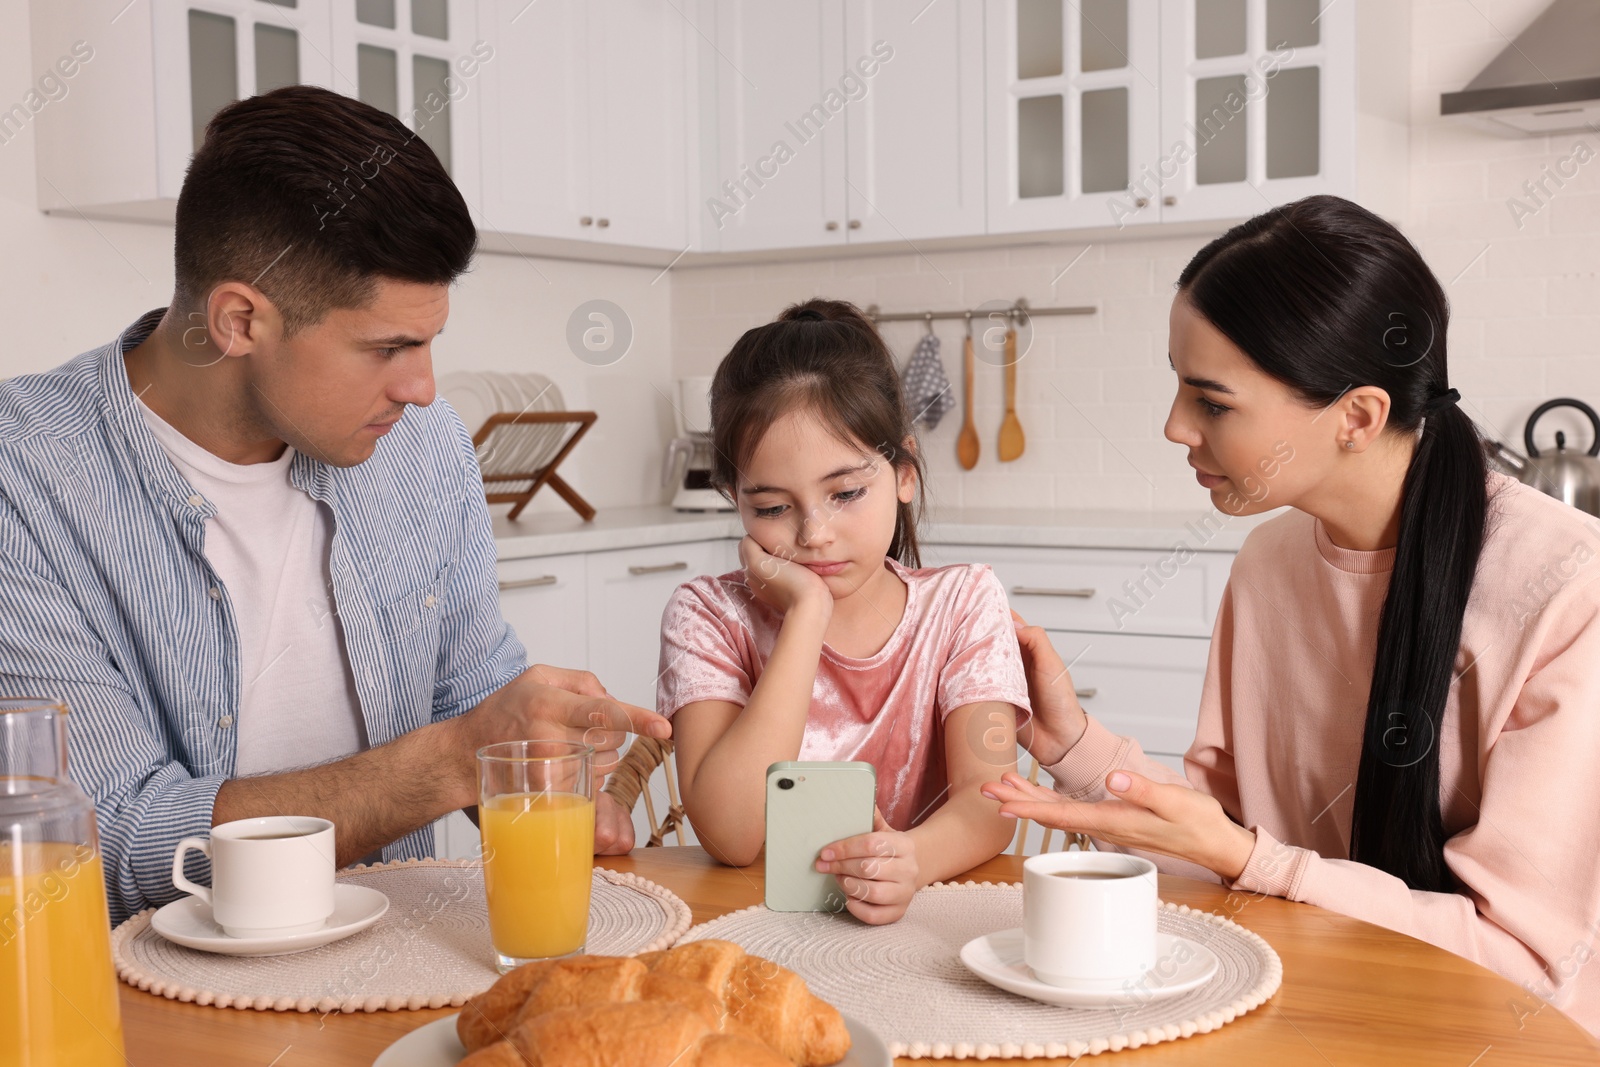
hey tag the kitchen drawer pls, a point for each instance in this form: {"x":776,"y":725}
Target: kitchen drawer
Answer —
{"x":628,"y":590}
{"x":545,"y":601}
{"x":1142,"y":687}
{"x":1104,"y":590}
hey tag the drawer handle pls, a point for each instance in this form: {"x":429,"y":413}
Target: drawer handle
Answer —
{"x":659,"y":568}
{"x":529,"y":583}
{"x":1030,"y":590}
{"x":1085,"y":694}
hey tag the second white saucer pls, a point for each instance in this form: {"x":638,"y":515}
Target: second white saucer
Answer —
{"x":1181,"y":965}
{"x":188,"y":922}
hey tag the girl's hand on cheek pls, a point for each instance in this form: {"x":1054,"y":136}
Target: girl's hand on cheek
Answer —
{"x":781,"y":583}
{"x":877,"y":872}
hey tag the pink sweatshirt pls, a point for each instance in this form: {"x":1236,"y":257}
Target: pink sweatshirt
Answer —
{"x":1281,"y":721}
{"x":954,"y":645}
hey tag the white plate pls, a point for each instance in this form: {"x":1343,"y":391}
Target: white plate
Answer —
{"x":534,"y":444}
{"x":1181,"y":965}
{"x":436,"y":1045}
{"x":471,"y":396}
{"x":188,"y":922}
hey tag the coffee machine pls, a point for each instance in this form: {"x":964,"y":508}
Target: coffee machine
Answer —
{"x":687,"y":466}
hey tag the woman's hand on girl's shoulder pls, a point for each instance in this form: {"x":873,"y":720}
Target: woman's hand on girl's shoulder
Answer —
{"x":780,"y":583}
{"x":1058,"y":719}
{"x":877,"y":872}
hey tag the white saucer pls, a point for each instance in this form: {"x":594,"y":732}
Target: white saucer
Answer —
{"x":188,"y":922}
{"x":436,"y":1045}
{"x":1181,"y":965}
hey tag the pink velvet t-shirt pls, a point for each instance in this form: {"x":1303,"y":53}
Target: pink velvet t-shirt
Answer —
{"x":955,"y":645}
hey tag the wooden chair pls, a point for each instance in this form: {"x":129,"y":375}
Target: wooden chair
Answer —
{"x":631,"y":779}
{"x":1019,"y":845}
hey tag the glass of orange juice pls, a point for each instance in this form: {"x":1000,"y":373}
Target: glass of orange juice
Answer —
{"x":536,"y":815}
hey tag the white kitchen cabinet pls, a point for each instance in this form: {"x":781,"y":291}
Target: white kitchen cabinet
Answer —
{"x":1259,"y":105}
{"x":1126,"y":112}
{"x":915,"y":152}
{"x":159,"y":71}
{"x":1074,"y":106}
{"x":1139,"y":686}
{"x":843,"y":123}
{"x":418,"y":60}
{"x":779,"y":172}
{"x":628,"y":590}
{"x":1101,"y":590}
{"x":546,"y":602}
{"x":585,"y":119}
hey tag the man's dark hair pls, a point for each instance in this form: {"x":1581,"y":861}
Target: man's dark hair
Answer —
{"x":312,"y":197}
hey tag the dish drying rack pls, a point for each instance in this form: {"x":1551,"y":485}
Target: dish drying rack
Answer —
{"x":494,"y":438}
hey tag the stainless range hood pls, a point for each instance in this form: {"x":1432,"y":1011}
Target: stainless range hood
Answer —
{"x":1546,"y":81}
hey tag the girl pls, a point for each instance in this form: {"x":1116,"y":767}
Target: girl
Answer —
{"x":832,"y":643}
{"x":1401,"y":715}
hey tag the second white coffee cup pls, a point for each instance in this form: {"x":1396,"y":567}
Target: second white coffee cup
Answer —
{"x":270,"y":876}
{"x":1088,"y":918}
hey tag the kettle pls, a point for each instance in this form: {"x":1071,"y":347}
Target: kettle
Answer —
{"x":1571,"y":477}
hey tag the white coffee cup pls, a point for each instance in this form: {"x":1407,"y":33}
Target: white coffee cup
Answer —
{"x":270,"y":876}
{"x":1088,"y":918}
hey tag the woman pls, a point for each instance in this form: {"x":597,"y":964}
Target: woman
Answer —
{"x":1401,"y":713}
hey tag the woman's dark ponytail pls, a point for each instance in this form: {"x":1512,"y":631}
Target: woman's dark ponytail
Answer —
{"x":1323,"y":295}
{"x":1397,"y":825}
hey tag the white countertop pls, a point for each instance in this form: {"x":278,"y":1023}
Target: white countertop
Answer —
{"x":553,"y":533}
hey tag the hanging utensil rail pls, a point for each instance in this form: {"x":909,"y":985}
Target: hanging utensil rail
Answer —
{"x":1019,"y":312}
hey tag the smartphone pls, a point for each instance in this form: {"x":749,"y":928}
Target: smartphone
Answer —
{"x":810,"y":805}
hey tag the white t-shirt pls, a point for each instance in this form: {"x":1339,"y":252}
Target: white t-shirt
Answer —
{"x":269,"y":543}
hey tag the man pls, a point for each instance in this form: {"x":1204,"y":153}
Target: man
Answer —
{"x":243,"y":542}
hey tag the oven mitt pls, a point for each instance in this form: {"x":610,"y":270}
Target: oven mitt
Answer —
{"x":927,"y":388}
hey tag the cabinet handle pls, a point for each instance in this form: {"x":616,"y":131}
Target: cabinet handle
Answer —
{"x":1085,"y":694}
{"x":602,"y":223}
{"x":855,"y":224}
{"x":585,"y":220}
{"x":831,"y":225}
{"x":1143,"y":201}
{"x":658,"y":568}
{"x":1169,"y":200}
{"x":528,"y":583}
{"x":1029,"y":590}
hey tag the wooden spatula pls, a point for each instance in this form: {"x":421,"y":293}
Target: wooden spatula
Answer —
{"x":967,"y":443}
{"x":1011,"y":439}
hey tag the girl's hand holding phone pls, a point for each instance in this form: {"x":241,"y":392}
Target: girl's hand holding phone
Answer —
{"x":878,"y":872}
{"x":779,"y":582}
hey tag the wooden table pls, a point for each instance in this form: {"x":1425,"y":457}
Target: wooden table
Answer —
{"x":1352,"y":993}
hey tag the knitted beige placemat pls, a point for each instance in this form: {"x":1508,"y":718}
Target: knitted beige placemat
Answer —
{"x":430,"y":950}
{"x":907,"y":983}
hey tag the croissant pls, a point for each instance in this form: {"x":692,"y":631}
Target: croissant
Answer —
{"x":704,"y":1004}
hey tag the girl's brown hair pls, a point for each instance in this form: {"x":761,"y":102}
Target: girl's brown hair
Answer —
{"x":822,"y":355}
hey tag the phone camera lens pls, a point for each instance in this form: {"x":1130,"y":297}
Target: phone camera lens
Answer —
{"x":785,"y":783}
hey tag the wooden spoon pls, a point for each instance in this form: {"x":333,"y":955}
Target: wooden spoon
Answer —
{"x":967,"y":443}
{"x":1011,"y":440}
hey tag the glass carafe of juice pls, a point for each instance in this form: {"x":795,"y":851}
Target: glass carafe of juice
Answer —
{"x":58,"y":989}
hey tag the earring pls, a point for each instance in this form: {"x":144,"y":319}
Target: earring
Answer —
{"x":1349,"y":444}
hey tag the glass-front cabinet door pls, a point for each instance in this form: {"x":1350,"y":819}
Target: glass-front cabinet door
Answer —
{"x":209,"y":53}
{"x":1258,"y":105}
{"x":1073,"y":111}
{"x":419,"y":60}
